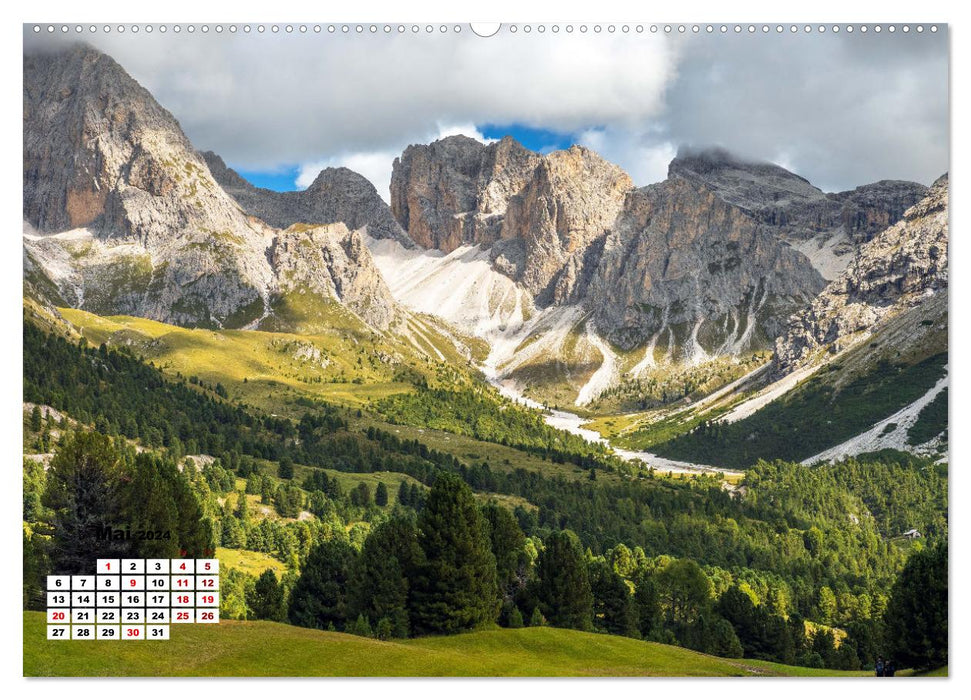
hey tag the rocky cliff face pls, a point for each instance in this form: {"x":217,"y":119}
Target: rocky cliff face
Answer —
{"x":712,"y":261}
{"x":337,"y":195}
{"x":682,"y":268}
{"x":332,"y":262}
{"x":900,"y":268}
{"x":455,"y":191}
{"x":827,"y":227}
{"x":124,"y":215}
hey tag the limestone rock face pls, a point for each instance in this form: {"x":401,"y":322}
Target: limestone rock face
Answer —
{"x":455,"y":191}
{"x":827,"y":227}
{"x":555,"y":225}
{"x":336,"y":195}
{"x":332,"y":262}
{"x":901,"y":267}
{"x":683,"y":268}
{"x":121,"y":213}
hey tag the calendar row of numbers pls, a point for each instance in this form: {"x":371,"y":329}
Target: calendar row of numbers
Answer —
{"x":131,"y":616}
{"x":132,"y":583}
{"x":108,"y":632}
{"x":157,"y":566}
{"x":154,"y":599}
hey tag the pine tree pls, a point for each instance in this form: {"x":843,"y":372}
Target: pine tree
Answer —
{"x":378,"y":587}
{"x":268,"y":598}
{"x":35,"y":420}
{"x":508,"y":546}
{"x":404,"y":494}
{"x":285,"y":470}
{"x":319,"y":597}
{"x":613,"y":610}
{"x":515,"y":618}
{"x":455,"y":585}
{"x":83,"y":493}
{"x":916,"y":616}
{"x":381,"y":495}
{"x":563,"y":587}
{"x":537,"y":619}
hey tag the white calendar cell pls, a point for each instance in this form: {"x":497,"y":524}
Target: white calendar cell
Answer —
{"x":207,"y":599}
{"x":109,"y":583}
{"x":157,"y":599}
{"x":207,"y":583}
{"x":183,"y":600}
{"x":108,"y":600}
{"x":109,"y":566}
{"x":132,"y":566}
{"x":133,"y":633}
{"x":109,"y":632}
{"x":183,"y":615}
{"x":58,"y":600}
{"x":133,"y":583}
{"x":82,"y":632}
{"x":183,"y":583}
{"x":109,"y":616}
{"x":207,"y":566}
{"x":183,"y":566}
{"x":82,"y":599}
{"x":82,"y":583}
{"x":132,"y":600}
{"x":58,"y":583}
{"x":58,"y":631}
{"x":58,"y":616}
{"x":156,"y":583}
{"x":132,"y":616}
{"x":207,"y":616}
{"x":157,"y":632}
{"x":157,"y":616}
{"x":156,"y":566}
{"x":82,"y":616}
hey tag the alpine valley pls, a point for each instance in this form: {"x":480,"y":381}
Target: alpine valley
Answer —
{"x":534,"y":322}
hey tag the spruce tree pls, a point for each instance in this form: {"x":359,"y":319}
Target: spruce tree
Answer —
{"x":563,"y":587}
{"x":613,"y":609}
{"x":455,"y":585}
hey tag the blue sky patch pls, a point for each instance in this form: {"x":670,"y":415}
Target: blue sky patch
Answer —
{"x":539,"y":140}
{"x":278,"y":180}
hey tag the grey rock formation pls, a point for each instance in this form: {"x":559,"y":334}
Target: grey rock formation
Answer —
{"x":332,"y":262}
{"x":125,"y":216}
{"x":455,"y":191}
{"x":901,"y":267}
{"x":683,"y":268}
{"x":796,"y":208}
{"x":337,"y":195}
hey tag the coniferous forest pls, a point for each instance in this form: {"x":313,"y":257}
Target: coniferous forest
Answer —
{"x":802,"y":565}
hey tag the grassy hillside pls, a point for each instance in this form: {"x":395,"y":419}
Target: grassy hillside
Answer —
{"x":348,"y":364}
{"x":271,"y":649}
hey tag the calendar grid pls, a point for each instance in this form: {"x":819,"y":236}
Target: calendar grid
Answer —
{"x":132,"y":599}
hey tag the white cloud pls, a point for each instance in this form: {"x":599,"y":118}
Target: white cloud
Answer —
{"x":643,"y":156}
{"x":376,"y":165}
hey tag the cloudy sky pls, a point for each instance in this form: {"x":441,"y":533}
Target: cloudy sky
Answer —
{"x":841,"y":110}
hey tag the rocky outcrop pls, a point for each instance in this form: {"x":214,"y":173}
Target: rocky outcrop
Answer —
{"x":797,"y":210}
{"x":122,"y":214}
{"x":337,"y":195}
{"x":332,"y":262}
{"x":455,"y":191}
{"x":540,"y":214}
{"x":901,"y":267}
{"x":684,"y":269}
